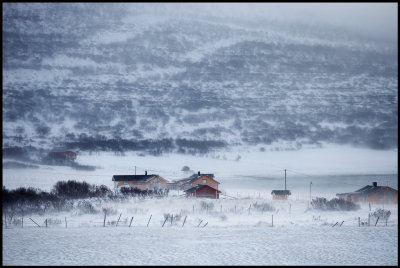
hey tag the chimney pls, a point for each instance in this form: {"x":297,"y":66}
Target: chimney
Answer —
{"x":375,"y":184}
{"x":198,"y":173}
{"x":145,"y":173}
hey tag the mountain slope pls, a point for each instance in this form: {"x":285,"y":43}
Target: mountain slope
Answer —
{"x":125,"y":76}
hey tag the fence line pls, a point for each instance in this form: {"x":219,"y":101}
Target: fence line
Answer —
{"x":246,"y":209}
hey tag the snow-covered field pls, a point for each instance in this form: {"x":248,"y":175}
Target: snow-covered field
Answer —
{"x":260,"y":245}
{"x":227,"y":231}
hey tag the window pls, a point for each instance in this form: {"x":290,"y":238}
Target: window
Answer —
{"x":204,"y":181}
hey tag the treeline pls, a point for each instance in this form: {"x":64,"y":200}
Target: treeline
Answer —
{"x":101,"y":143}
{"x":62,"y":196}
{"x":154,"y":147}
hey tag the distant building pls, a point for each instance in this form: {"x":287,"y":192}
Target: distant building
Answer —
{"x":142,"y":182}
{"x":195,"y":179}
{"x":280,"y":194}
{"x":372,"y":194}
{"x":64,"y":155}
{"x":203,"y":191}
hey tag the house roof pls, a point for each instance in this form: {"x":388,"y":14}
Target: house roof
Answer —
{"x":195,"y":177}
{"x":198,"y":186}
{"x":366,"y":190}
{"x":132,"y":177}
{"x":281,"y":192}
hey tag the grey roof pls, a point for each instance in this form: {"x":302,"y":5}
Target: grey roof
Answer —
{"x":194,"y":188}
{"x":133,"y":177}
{"x":193,"y":178}
{"x":281,"y":192}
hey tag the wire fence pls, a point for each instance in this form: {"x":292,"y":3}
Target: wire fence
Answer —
{"x":206,"y":214}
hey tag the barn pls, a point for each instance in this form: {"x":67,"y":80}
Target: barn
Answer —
{"x":372,"y":194}
{"x":203,"y":191}
{"x":280,"y":194}
{"x":142,"y":182}
{"x":64,"y":155}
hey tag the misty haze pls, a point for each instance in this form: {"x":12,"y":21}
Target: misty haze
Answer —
{"x":255,"y":98}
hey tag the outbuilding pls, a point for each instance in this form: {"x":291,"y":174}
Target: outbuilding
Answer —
{"x":280,"y":194}
{"x":64,"y":155}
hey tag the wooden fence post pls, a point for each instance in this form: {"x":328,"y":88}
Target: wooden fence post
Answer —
{"x":359,"y":222}
{"x":46,"y":223}
{"x":377,"y":221}
{"x":172,"y":217}
{"x":35,"y":222}
{"x":165,"y":220}
{"x":200,"y":223}
{"x":205,"y":225}
{"x":249,"y":209}
{"x":22,"y":221}
{"x":66,"y":223}
{"x":149,"y":220}
{"x":369,"y":216}
{"x":130,"y":222}
{"x":335,"y":224}
{"x":290,"y":207}
{"x":184,"y":221}
{"x":118,"y":219}
{"x":104,"y":223}
{"x":272,"y":220}
{"x":341,"y":223}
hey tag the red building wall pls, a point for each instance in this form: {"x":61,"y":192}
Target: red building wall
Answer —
{"x":385,"y":195}
{"x":205,"y":192}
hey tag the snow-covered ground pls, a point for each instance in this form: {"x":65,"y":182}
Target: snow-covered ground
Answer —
{"x":307,"y":245}
{"x":227,"y":231}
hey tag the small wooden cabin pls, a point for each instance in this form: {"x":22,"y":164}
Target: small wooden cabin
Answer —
{"x":280,"y":194}
{"x":372,"y":194}
{"x":204,"y":191}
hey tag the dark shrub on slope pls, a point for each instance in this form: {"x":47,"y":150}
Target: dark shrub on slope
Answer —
{"x":321,"y":203}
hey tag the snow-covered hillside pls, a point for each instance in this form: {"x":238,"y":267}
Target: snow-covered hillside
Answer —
{"x":104,"y":76}
{"x":248,"y":92}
